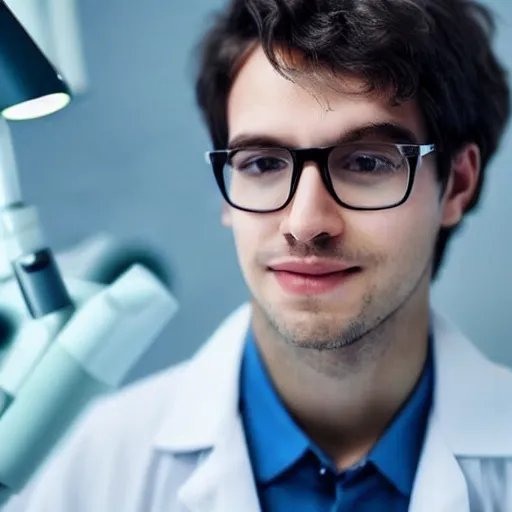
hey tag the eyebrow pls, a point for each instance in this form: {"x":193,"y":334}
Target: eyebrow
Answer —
{"x":391,"y":132}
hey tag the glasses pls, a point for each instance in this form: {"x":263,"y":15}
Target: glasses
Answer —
{"x":358,"y":175}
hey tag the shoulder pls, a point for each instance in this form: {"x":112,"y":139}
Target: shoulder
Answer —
{"x":472,"y":396}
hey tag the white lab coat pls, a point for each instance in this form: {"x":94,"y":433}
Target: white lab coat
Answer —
{"x":175,"y":443}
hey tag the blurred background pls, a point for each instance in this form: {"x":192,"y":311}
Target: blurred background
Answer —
{"x":126,"y":159}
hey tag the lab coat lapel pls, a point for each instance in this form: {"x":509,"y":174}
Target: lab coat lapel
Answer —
{"x":224,"y":480}
{"x":205,"y":419}
{"x":440,"y":485}
{"x":470,"y":419}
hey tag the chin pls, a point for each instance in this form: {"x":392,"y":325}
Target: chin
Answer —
{"x":319,"y":330}
{"x":318,"y":313}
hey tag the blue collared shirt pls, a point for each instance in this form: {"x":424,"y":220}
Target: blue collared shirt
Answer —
{"x":292,"y":474}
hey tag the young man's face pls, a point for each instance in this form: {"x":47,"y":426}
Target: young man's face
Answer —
{"x":388,"y":252}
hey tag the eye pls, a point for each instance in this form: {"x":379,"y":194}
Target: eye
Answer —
{"x":260,"y":161}
{"x":263,"y":165}
{"x":368,"y":163}
{"x":367,"y":159}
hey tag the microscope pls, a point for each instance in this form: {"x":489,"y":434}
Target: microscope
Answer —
{"x":69,"y":341}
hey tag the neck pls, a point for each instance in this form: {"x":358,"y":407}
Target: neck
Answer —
{"x":344,"y":399}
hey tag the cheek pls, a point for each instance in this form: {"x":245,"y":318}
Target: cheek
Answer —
{"x":402,"y":236}
{"x":251,"y":232}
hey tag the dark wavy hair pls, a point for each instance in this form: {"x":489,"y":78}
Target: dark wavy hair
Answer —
{"x":436,"y":51}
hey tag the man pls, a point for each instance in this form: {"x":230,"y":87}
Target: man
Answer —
{"x":351,"y":137}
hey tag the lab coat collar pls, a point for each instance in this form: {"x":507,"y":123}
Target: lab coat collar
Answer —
{"x":471,"y":408}
{"x":209,"y":398}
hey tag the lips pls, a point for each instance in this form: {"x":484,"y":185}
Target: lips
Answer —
{"x":311,"y":268}
{"x":312,"y":277}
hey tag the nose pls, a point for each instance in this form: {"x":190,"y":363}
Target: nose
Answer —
{"x":313,"y":211}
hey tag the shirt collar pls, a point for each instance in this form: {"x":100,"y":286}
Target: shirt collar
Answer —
{"x":277,"y":443}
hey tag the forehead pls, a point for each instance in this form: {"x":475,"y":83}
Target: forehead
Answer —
{"x":264,"y":103}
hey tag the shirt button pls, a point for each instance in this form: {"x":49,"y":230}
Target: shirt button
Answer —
{"x":323,"y":471}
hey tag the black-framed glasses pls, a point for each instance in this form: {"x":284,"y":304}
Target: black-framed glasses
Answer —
{"x":358,"y":175}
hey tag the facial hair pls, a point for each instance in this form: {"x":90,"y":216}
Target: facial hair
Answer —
{"x":323,"y":332}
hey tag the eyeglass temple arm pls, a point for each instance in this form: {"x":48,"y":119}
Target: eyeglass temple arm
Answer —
{"x":426,"y":149}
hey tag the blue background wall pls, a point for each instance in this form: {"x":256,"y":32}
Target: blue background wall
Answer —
{"x":127,"y":159}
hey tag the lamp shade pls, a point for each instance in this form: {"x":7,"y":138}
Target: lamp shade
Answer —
{"x":30,"y":86}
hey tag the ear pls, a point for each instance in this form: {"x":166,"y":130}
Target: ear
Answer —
{"x":226,"y":215}
{"x":461,"y":185}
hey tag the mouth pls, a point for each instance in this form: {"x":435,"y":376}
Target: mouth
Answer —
{"x":313,"y":282}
